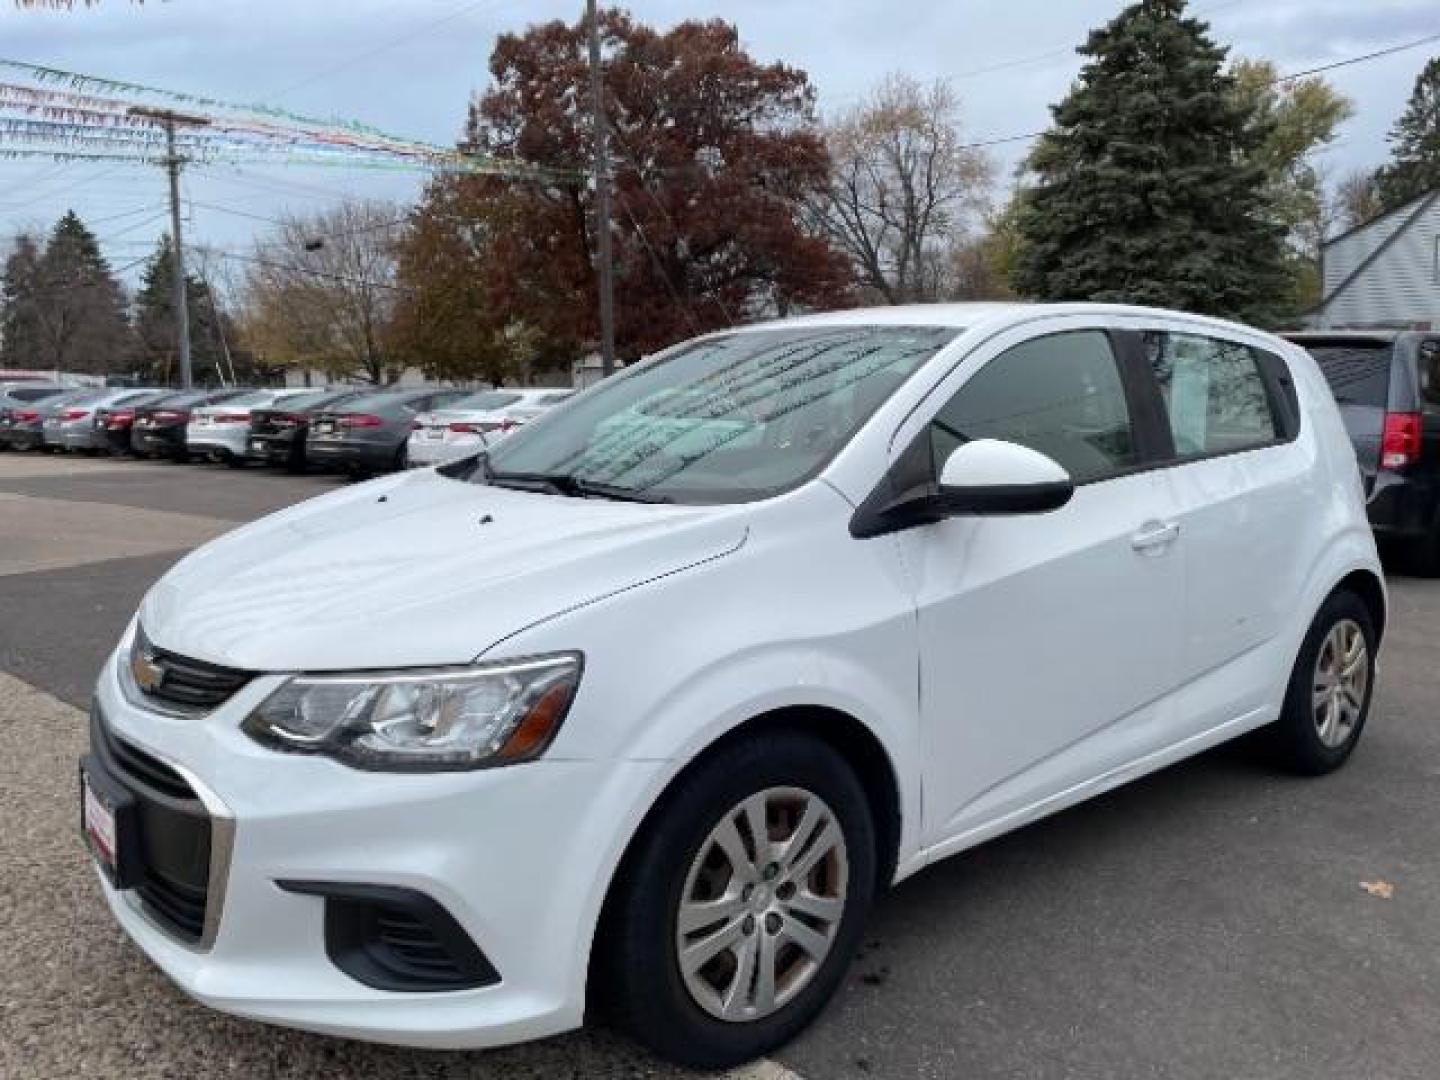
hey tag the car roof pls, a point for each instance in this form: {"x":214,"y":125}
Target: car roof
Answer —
{"x":992,"y":315}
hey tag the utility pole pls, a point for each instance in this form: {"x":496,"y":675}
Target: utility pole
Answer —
{"x":604,"y":258}
{"x":168,"y":118}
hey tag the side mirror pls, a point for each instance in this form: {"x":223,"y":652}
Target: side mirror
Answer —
{"x":991,"y":476}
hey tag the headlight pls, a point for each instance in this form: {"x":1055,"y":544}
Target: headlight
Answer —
{"x":423,"y":721}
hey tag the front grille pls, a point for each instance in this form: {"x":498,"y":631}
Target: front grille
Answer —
{"x":173,"y":829}
{"x":194,"y":684}
{"x":179,"y":907}
{"x":149,"y":770}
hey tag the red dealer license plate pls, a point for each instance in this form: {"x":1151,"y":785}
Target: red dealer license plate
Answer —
{"x":97,"y":819}
{"x":108,"y":821}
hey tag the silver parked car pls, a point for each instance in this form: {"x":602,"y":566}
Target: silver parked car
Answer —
{"x":77,"y":426}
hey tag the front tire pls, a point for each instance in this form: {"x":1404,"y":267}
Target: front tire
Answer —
{"x":739,"y":907}
{"x":1328,"y":699}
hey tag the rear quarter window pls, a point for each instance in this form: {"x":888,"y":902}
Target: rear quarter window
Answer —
{"x":1427,"y":363}
{"x":1358,"y":373}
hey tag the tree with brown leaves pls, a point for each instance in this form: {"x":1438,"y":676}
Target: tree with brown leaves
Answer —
{"x":713,"y":155}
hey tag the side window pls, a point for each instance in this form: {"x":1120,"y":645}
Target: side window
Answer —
{"x":1060,"y":394}
{"x":1214,"y":394}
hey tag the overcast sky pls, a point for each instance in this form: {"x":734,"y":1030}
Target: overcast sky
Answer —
{"x":410,"y":66}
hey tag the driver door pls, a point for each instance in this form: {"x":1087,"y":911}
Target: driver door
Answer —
{"x":1048,"y":642}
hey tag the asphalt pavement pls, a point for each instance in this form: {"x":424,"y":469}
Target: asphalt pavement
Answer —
{"x":1213,"y":920}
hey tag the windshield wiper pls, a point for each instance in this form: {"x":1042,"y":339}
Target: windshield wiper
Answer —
{"x":571,"y":485}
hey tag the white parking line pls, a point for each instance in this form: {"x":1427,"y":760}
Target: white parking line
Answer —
{"x":764,"y":1069}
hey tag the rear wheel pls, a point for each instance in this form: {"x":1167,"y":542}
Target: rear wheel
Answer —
{"x":738,"y":909}
{"x":1328,"y":699}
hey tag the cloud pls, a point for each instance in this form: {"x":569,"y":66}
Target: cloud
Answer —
{"x":411,"y":68}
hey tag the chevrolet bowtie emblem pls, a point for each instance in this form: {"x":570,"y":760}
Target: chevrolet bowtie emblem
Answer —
{"x":146,"y":671}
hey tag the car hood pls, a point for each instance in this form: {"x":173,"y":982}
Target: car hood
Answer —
{"x":416,"y":569}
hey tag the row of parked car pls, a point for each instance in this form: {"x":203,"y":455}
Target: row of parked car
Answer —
{"x":347,"y":429}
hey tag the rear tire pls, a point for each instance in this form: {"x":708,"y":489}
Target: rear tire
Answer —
{"x":800,"y":924}
{"x":1328,"y":699}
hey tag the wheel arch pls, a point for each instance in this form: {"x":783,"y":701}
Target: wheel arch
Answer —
{"x":1368,"y":587}
{"x":850,"y":737}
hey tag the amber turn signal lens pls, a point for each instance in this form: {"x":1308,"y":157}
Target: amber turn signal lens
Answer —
{"x":536,"y":730}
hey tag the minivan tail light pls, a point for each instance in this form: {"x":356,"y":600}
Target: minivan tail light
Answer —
{"x":360,"y":420}
{"x":1400,"y":443}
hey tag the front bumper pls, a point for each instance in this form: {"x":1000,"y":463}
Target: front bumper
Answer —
{"x":518,"y":856}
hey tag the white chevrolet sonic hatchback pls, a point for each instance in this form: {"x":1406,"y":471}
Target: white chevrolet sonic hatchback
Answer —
{"x":644,"y":708}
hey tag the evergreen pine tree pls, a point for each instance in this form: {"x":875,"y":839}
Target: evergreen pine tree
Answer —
{"x":1414,"y":167}
{"x":1148,"y":190}
{"x":80,"y":306}
{"x":19,"y":320}
{"x":155,"y":321}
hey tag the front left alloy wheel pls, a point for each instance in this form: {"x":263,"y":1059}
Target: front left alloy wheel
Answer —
{"x":739,"y":908}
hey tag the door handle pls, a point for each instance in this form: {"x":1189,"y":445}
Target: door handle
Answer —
{"x":1155,"y":534}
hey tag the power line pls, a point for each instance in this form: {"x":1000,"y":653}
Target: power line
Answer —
{"x":1360,"y":59}
{"x":374,"y":226}
{"x":297,"y":268}
{"x":1279,"y":80}
{"x":660,"y":265}
{"x":394,"y":43}
{"x":132,"y":228}
{"x":127,"y":213}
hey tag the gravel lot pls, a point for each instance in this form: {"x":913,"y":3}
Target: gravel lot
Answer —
{"x":1206,"y":922}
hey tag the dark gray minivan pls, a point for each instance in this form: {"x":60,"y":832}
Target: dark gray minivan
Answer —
{"x":1387,"y":383}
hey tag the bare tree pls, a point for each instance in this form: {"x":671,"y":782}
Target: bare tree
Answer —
{"x":1357,"y":199}
{"x":321,"y":291}
{"x":904,"y":189}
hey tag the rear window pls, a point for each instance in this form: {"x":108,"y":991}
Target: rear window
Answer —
{"x":33,"y":393}
{"x":485,"y":401}
{"x":1358,"y":372}
{"x":295,"y":402}
{"x":384,"y":402}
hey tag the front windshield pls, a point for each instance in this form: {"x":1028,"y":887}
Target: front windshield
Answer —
{"x":730,"y":418}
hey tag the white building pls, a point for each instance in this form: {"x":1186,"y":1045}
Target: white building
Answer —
{"x":1385,"y":273}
